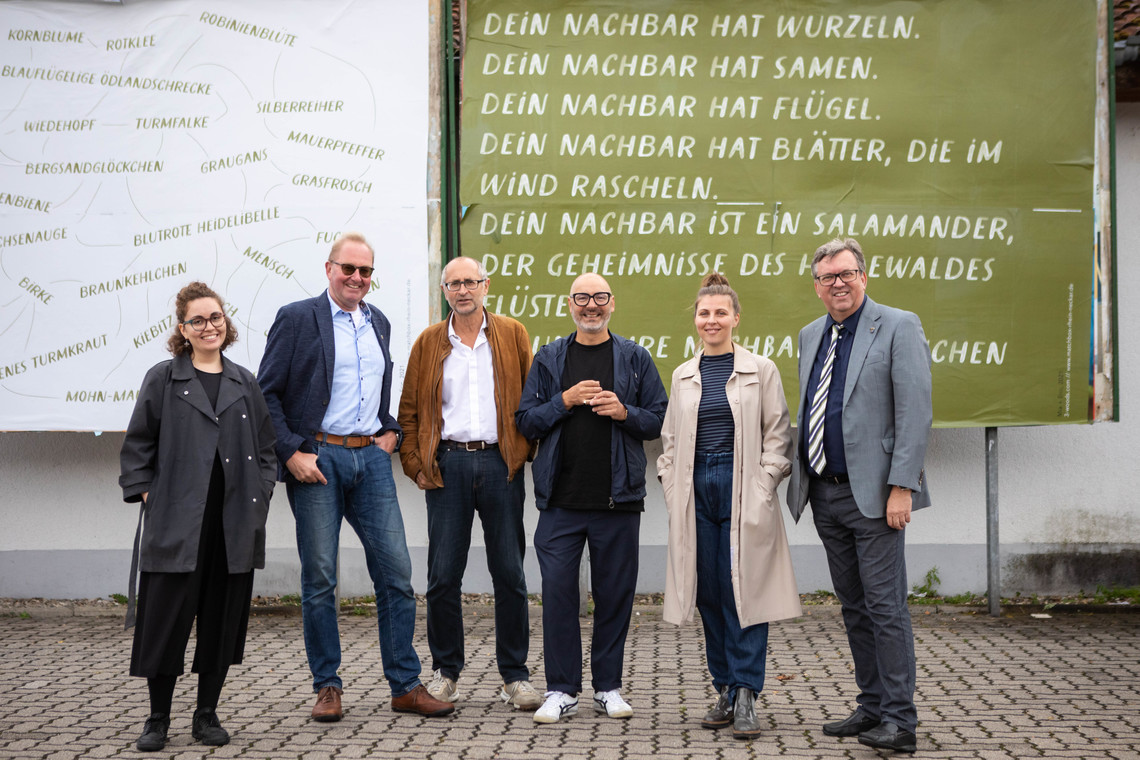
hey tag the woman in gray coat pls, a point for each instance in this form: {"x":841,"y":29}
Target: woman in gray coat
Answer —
{"x":199,"y":456}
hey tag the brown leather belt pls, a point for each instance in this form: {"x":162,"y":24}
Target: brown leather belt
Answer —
{"x":348,"y":441}
{"x":468,"y":445}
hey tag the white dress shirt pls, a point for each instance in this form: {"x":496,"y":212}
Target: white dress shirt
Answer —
{"x":469,"y":389}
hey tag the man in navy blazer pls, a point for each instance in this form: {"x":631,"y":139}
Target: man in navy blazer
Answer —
{"x":327,"y":379}
{"x":864,"y":419}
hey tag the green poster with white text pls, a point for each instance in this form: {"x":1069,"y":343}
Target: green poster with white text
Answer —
{"x":653,"y":142}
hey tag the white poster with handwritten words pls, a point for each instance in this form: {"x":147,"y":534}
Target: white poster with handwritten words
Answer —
{"x":149,"y":144}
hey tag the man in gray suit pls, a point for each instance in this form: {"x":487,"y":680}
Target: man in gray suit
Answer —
{"x":864,"y":419}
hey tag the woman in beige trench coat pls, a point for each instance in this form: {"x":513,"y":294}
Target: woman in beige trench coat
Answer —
{"x":727,"y":445}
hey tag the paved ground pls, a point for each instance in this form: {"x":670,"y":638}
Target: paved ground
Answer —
{"x":1015,"y":687}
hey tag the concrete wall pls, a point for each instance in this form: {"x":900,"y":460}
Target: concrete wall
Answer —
{"x":1069,"y":518}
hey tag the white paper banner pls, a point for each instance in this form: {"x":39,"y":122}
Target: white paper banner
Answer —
{"x":146,"y":145}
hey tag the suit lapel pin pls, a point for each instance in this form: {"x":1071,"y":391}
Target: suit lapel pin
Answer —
{"x":872,"y":329}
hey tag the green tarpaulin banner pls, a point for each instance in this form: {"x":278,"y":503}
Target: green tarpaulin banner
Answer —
{"x":655,"y":142}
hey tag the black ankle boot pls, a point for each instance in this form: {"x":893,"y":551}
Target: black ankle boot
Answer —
{"x":721,"y":713}
{"x":745,"y":724}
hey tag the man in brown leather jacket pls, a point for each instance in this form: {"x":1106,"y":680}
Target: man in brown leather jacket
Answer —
{"x":463,"y":384}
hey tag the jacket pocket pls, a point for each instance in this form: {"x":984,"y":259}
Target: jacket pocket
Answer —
{"x":766,"y":486}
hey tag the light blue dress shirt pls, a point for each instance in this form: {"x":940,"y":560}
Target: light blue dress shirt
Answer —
{"x":358,"y":373}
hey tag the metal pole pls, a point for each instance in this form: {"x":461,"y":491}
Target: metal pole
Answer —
{"x":993,"y":545}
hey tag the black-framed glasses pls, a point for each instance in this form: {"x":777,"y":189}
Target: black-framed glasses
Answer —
{"x":198,"y":324}
{"x":583,"y":299}
{"x":349,"y":269}
{"x":455,"y":285}
{"x":847,"y":275}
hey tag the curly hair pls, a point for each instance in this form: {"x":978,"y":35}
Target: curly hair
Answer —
{"x":716,"y":284}
{"x":178,"y":345}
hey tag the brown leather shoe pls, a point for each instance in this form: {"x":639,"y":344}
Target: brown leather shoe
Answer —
{"x":327,"y":708}
{"x":418,"y":701}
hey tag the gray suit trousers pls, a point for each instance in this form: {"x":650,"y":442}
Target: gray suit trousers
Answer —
{"x":868,"y":569}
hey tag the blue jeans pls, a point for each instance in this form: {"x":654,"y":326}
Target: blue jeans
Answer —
{"x":736,"y":655}
{"x":558,"y":543}
{"x":476,"y":481}
{"x":360,"y":489}
{"x":867,"y":560}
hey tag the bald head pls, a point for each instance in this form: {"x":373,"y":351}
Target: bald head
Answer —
{"x":591,"y":317}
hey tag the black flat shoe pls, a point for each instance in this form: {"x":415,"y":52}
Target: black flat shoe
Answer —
{"x":207,"y":729}
{"x":887,"y":735}
{"x":154,"y":733}
{"x":853,"y":725}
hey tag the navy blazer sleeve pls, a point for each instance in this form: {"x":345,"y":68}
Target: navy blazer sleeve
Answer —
{"x":274,"y":376}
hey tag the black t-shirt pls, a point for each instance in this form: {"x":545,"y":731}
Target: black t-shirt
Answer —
{"x":585,"y":476}
{"x":212,"y":383}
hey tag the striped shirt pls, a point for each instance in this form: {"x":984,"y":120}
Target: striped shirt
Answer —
{"x":715,"y":426}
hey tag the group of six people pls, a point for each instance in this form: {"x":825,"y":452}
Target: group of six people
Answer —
{"x":207,"y":441}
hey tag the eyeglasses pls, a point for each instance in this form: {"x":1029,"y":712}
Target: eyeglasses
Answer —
{"x":198,"y":324}
{"x":455,"y":285}
{"x":847,"y":275}
{"x":583,"y":299}
{"x":349,"y":269}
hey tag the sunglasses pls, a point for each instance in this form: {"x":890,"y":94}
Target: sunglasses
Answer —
{"x":350,"y":269}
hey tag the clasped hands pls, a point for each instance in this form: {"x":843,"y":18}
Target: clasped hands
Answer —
{"x":590,"y":393}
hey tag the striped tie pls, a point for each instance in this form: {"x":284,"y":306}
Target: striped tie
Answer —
{"x":816,"y":457}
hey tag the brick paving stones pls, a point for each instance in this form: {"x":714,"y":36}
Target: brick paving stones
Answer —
{"x":1067,"y":686}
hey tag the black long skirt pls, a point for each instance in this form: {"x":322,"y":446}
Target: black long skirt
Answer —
{"x":169,"y":602}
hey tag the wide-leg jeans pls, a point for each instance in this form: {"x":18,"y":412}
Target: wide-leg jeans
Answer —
{"x":736,"y":656}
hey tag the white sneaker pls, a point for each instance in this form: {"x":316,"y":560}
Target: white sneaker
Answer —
{"x":520,"y":695}
{"x":443,"y":688}
{"x":611,"y":703}
{"x":558,"y":705}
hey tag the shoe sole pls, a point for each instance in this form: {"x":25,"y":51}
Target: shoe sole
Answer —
{"x":621,"y":716}
{"x":150,"y":747}
{"x":565,"y":714}
{"x":434,"y":714}
{"x":745,"y":735}
{"x":452,"y":700}
{"x":211,"y":744}
{"x":331,"y":718}
{"x":909,"y":748}
{"x":716,"y":724}
{"x":507,"y":698}
{"x":598,"y":708}
{"x":848,"y":731}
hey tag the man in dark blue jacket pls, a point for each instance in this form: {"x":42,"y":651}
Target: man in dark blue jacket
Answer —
{"x":327,"y":380}
{"x":590,"y":399}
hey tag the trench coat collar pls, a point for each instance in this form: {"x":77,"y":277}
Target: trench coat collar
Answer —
{"x":188,"y":387}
